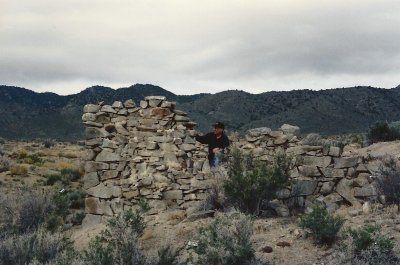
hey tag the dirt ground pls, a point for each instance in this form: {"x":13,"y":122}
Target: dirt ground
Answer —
{"x":289,"y":243}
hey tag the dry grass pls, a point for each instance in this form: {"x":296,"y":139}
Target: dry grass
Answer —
{"x":19,"y":170}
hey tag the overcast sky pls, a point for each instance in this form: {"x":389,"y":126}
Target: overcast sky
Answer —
{"x":189,"y":46}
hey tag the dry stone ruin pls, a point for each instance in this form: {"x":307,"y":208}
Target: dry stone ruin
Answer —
{"x":148,"y":151}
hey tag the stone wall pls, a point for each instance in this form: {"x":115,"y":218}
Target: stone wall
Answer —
{"x":148,"y":151}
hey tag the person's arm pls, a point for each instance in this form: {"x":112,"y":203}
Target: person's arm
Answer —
{"x":204,"y":139}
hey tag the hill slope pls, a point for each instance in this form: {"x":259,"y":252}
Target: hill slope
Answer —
{"x":27,"y":114}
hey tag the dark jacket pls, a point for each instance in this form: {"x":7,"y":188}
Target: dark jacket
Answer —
{"x":213,"y":142}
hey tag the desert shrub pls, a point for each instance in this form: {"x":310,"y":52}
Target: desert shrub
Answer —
{"x":33,"y":159}
{"x":48,"y":143}
{"x":5,"y":163}
{"x":252,"y":181}
{"x":65,"y":176}
{"x":118,"y":243}
{"x":22,"y":154}
{"x":38,"y":245}
{"x":53,"y":179}
{"x":226,"y":241}
{"x":324,"y":226}
{"x":365,"y":246}
{"x":26,"y":210}
{"x":77,"y":218}
{"x":216,"y":199}
{"x":388,"y":181}
{"x":381,"y":132}
{"x":369,"y":235}
{"x":71,"y":174}
{"x":167,"y":255}
{"x":20,"y":170}
{"x":77,"y":199}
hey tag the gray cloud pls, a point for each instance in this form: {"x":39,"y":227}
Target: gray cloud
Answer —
{"x":191,"y":47}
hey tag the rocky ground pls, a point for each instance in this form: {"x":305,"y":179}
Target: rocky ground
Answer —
{"x":278,"y":240}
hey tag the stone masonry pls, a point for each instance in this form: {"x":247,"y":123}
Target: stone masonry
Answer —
{"x":148,"y":151}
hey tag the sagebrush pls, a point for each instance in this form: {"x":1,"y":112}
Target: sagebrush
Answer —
{"x":323,"y":225}
{"x":252,"y":181}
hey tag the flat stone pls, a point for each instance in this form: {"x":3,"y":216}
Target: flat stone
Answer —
{"x":117,"y":104}
{"x":109,"y":174}
{"x":131,"y":194}
{"x":366,"y":191}
{"x":91,"y":220}
{"x":309,"y":171}
{"x":304,"y":187}
{"x":299,"y":150}
{"x":334,"y":151}
{"x":189,"y":140}
{"x":92,"y":132}
{"x":173,"y":195}
{"x":92,"y":124}
{"x":119,"y":126}
{"x":344,"y":189}
{"x":107,"y":156}
{"x":123,"y":112}
{"x":91,"y":108}
{"x":92,"y":205}
{"x":259,"y":131}
{"x":90,"y":180}
{"x":332,"y":172}
{"x":322,"y":161}
{"x":129,"y":103}
{"x":100,"y":191}
{"x":281,"y":140}
{"x":109,"y":144}
{"x":168,"y":147}
{"x":327,"y":188}
{"x":161,"y":139}
{"x":170,"y":159}
{"x":108,"y":109}
{"x":345,"y":162}
{"x":89,"y":117}
{"x":91,"y":166}
{"x":181,"y":118}
{"x":290,"y":129}
{"x":144,"y":104}
{"x":188,"y":147}
{"x":160,"y":113}
{"x":161,"y":98}
{"x":154,"y":102}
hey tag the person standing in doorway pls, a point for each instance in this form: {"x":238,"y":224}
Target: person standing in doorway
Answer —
{"x":217,"y":142}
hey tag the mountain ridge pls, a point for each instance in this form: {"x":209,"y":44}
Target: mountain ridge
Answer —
{"x":28,"y":114}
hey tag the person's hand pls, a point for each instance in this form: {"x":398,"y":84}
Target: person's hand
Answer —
{"x":216,"y":150}
{"x":193,"y":133}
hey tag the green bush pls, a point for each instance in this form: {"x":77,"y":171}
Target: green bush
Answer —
{"x":252,"y":181}
{"x":39,"y":245}
{"x":118,"y":243}
{"x":324,"y":226}
{"x":53,"y":179}
{"x":65,"y":176}
{"x":369,"y":235}
{"x":70,"y":174}
{"x":5,"y":163}
{"x":167,"y":256}
{"x":381,"y":132}
{"x":226,"y":241}
{"x":388,"y":181}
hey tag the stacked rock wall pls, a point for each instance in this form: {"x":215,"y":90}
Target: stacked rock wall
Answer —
{"x":320,"y":173}
{"x":148,"y":151}
{"x":143,"y":151}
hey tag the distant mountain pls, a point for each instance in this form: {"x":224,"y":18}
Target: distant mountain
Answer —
{"x":27,"y":114}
